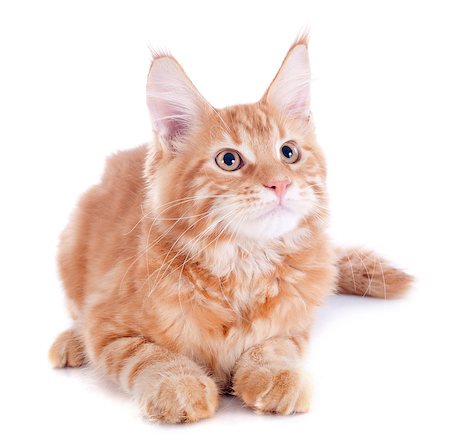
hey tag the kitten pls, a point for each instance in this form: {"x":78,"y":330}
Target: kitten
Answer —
{"x":196,"y":265}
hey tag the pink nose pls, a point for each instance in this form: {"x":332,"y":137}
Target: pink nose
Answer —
{"x":279,"y":186}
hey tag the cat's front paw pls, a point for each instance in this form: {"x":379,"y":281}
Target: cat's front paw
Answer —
{"x":282,"y":391}
{"x":181,"y":399}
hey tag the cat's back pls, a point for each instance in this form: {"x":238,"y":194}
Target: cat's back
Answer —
{"x":100,"y":232}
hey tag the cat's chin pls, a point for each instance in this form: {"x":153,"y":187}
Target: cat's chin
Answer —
{"x":270,"y":225}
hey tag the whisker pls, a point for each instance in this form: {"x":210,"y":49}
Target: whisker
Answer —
{"x":178,"y":202}
{"x":158,"y":279}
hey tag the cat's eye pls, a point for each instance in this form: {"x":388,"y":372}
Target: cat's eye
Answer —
{"x":290,"y":153}
{"x":229,"y":160}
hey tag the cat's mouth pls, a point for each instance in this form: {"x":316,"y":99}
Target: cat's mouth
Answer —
{"x":275,"y":211}
{"x":268,"y":221}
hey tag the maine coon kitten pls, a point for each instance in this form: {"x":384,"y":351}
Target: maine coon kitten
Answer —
{"x":197,"y":263}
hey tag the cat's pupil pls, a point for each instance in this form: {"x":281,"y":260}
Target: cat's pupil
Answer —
{"x":229,"y":159}
{"x":287,"y":152}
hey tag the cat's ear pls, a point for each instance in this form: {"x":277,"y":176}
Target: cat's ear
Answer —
{"x":289,"y":92}
{"x":175,"y":105}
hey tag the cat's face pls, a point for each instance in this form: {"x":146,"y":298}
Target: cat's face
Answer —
{"x":251,"y":171}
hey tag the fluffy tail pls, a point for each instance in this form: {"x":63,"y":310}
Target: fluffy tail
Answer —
{"x":363,"y":273}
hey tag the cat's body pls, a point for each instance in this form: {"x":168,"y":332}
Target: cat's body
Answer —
{"x":175,"y":270}
{"x":211,"y":319}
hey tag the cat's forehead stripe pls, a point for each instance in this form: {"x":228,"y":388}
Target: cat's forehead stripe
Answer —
{"x":255,"y":123}
{"x":249,"y":126}
{"x":231,"y":128}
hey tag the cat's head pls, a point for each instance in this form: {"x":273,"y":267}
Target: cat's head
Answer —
{"x":251,"y":171}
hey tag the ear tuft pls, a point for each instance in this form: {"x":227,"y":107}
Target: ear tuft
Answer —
{"x":175,"y":105}
{"x":302,"y":38}
{"x":289,"y":92}
{"x":159,"y":52}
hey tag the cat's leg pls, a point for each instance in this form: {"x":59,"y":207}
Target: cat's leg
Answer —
{"x":67,"y":350}
{"x":268,"y":377}
{"x":168,"y":386}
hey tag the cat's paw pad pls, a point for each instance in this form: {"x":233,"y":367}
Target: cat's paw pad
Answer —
{"x":182,"y":399}
{"x":284,"y":391}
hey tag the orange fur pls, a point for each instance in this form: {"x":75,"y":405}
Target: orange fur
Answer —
{"x":364,"y":273}
{"x":179,"y":284}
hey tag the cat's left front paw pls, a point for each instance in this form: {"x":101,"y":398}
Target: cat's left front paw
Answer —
{"x":282,"y":391}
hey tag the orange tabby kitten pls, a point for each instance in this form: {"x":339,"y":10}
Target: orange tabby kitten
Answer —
{"x":196,"y":265}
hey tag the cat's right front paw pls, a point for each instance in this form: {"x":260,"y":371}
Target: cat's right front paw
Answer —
{"x":181,"y":399}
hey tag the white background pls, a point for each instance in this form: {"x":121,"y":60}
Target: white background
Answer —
{"x":72,"y":91}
